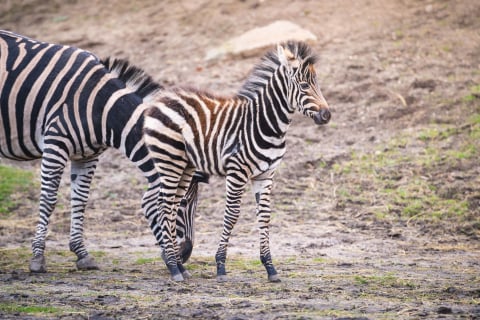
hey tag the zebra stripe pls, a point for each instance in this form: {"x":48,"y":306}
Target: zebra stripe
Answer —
{"x":241,"y":138}
{"x":60,"y":103}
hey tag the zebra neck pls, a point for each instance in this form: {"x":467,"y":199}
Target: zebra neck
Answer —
{"x":267,"y":94}
{"x":271,"y":116}
{"x":122,"y":122}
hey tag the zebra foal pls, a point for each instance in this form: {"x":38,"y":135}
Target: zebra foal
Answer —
{"x":241,"y":138}
{"x":61,"y":104}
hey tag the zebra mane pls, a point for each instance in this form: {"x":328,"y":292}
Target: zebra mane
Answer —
{"x":271,"y":62}
{"x":135,"y":78}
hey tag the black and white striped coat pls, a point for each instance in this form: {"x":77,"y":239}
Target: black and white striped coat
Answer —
{"x":61,"y":104}
{"x":241,"y":138}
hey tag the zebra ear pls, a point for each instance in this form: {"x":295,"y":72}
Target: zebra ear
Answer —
{"x":287,"y":58}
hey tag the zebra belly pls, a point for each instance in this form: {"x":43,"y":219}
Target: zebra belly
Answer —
{"x":264,"y":167}
{"x":12,"y":147}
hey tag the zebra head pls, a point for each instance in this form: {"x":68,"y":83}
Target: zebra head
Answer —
{"x":297,"y":62}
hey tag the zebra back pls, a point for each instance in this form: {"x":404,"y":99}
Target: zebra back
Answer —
{"x":135,"y":78}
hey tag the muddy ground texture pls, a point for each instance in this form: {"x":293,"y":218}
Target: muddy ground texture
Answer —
{"x":376,"y":215}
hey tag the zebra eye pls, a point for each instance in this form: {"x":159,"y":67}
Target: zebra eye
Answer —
{"x":304,"y":85}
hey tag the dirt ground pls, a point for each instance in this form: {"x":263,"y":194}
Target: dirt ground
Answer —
{"x":396,"y":74}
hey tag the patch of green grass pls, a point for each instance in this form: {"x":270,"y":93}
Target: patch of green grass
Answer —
{"x":473,"y":95}
{"x":429,"y":134}
{"x":33,"y":309}
{"x":245,"y":264}
{"x":413,"y":208}
{"x":386,"y":280}
{"x":295,"y":275}
{"x":475,"y":119}
{"x":466,"y":152}
{"x":361,"y":280}
{"x":418,"y":198}
{"x":12,"y":180}
{"x":402,"y":179}
{"x":320,"y":260}
{"x":290,"y":260}
{"x":142,"y":261}
{"x":475,"y":127}
{"x":98,"y":254}
{"x":11,"y":259}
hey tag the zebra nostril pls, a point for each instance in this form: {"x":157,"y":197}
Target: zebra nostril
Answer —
{"x":322,"y":117}
{"x":325,"y":115}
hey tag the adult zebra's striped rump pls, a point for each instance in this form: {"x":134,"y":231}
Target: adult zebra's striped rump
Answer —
{"x":241,"y":138}
{"x":60,"y":104}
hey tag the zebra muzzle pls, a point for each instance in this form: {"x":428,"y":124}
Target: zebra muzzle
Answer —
{"x":322,"y":117}
{"x":186,"y":249}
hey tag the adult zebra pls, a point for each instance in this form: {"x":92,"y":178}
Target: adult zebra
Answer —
{"x":60,"y":103}
{"x":242,"y":138}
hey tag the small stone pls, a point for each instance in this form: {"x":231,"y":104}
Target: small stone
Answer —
{"x":116,"y":217}
{"x":428,"y":84}
{"x":444,"y":310}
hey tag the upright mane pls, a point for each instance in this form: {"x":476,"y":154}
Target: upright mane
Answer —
{"x":135,"y":78}
{"x":270,"y":62}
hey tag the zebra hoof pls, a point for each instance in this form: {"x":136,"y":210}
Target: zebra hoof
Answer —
{"x":274,"y":278}
{"x":87,"y":263}
{"x":186,"y":274}
{"x":177,"y":277}
{"x":38,"y":265}
{"x":222,"y":278}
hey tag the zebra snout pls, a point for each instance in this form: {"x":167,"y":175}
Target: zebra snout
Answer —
{"x":322,"y":117}
{"x":185,"y":249}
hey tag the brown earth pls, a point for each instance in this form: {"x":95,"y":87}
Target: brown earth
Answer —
{"x":347,"y":246}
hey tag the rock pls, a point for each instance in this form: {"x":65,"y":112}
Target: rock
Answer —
{"x":429,"y":84}
{"x":255,"y":40}
{"x":444,"y":310}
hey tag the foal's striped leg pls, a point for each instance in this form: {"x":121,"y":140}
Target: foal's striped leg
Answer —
{"x":167,"y":216}
{"x":235,"y":185}
{"x":262,"y":189}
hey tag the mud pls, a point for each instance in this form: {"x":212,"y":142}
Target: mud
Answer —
{"x":392,"y":71}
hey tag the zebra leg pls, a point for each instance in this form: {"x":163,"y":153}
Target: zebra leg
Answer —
{"x":167,"y":221}
{"x":156,"y":209}
{"x":170,"y":195}
{"x":81,"y":176}
{"x":262,"y":189}
{"x":51,"y":174}
{"x":170,"y":167}
{"x":235,"y":189}
{"x":182,"y":186}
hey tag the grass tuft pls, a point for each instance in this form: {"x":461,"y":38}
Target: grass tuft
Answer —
{"x":12,"y":180}
{"x":35,"y":310}
{"x":405,"y":185}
